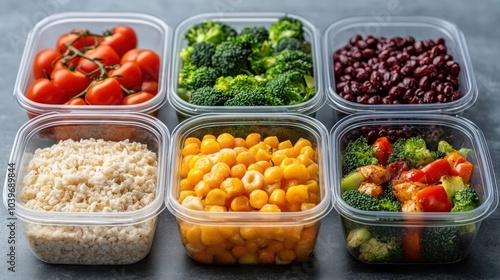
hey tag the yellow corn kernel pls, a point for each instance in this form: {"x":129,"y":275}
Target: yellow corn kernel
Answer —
{"x":296,"y":171}
{"x":191,"y":149}
{"x":208,"y":137}
{"x":227,"y":231}
{"x":184,"y":185}
{"x":301,"y":143}
{"x":278,"y":198}
{"x":303,"y":159}
{"x":289,"y":242}
{"x":312,"y":186}
{"x":273,"y":174}
{"x":285,"y":145}
{"x":306,"y":206}
{"x":252,"y":139}
{"x":225,"y":140}
{"x":288,"y":161}
{"x":215,"y":208}
{"x":192,"y":160}
{"x":246,"y":158}
{"x":238,"y":170}
{"x":201,"y":189}
{"x":236,"y":240}
{"x":209,"y":146}
{"x":272,"y":141}
{"x":266,"y":256}
{"x":193,"y":235}
{"x":287,"y":255}
{"x":239,"y":150}
{"x":258,"y":198}
{"x":193,"y":203}
{"x":269,"y":188}
{"x":309,"y":152}
{"x":240,"y":142}
{"x":249,"y":233}
{"x":252,"y":180}
{"x":259,"y":146}
{"x":264,"y":164}
{"x":239,"y":251}
{"x":216,"y":197}
{"x":194,"y":176}
{"x":277,"y":157}
{"x":213,"y":179}
{"x":222,"y":168}
{"x":251,"y":246}
{"x":314,"y":198}
{"x":233,"y":187}
{"x":270,"y":208}
{"x":184,"y":194}
{"x":210,"y":236}
{"x":190,"y":140}
{"x":225,"y":257}
{"x":275,"y":246}
{"x":287,"y":183}
{"x":248,"y":258}
{"x":291,"y":152}
{"x":227,"y":156}
{"x":255,"y":167}
{"x":185,"y":166}
{"x":293,"y":207}
{"x":240,"y":203}
{"x":215,"y":249}
{"x":204,"y":164}
{"x":313,"y":171}
{"x":202,"y":257}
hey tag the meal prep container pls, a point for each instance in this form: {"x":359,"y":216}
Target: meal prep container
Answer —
{"x":238,"y":21}
{"x":152,"y":33}
{"x":245,"y":237}
{"x":122,"y":237}
{"x":421,"y":28}
{"x":460,"y":133}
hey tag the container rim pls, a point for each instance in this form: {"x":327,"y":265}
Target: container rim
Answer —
{"x":187,"y":109}
{"x":465,"y":126}
{"x":106,"y":17}
{"x":253,"y":218}
{"x":338,"y":103}
{"x":140,"y":120}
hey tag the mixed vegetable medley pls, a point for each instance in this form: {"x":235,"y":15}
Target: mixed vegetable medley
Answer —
{"x":407,"y":176}
{"x":257,"y":66}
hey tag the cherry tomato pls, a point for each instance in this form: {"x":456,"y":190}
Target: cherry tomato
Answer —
{"x":460,"y":165}
{"x":121,"y":38}
{"x":78,"y":39}
{"x":104,"y":92}
{"x":66,"y":62}
{"x":150,"y":86}
{"x":137,"y":98}
{"x":130,"y":75}
{"x":413,"y":175}
{"x":45,"y":91}
{"x":434,"y":199}
{"x":411,"y":244}
{"x":397,"y":168}
{"x":44,"y":62}
{"x":148,"y":60}
{"x":72,"y":82}
{"x":76,"y":101}
{"x":104,"y":55}
{"x":383,"y":149}
{"x":436,"y":169}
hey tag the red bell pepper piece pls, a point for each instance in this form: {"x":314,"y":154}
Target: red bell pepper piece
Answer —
{"x":383,"y":149}
{"x":460,"y":165}
{"x":434,"y":199}
{"x":413,"y":175}
{"x":436,"y":169}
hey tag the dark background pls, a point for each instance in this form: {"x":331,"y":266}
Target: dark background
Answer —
{"x":480,"y":22}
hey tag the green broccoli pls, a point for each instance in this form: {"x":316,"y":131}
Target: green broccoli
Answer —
{"x":230,"y":59}
{"x":446,"y":148}
{"x":290,"y":87}
{"x":209,"y":31}
{"x":286,"y":27}
{"x":192,"y":78}
{"x":377,"y":244}
{"x":289,"y":60}
{"x":232,"y":85}
{"x":260,"y":50}
{"x":386,"y":204}
{"x":358,"y":153}
{"x":292,"y":44}
{"x":257,"y":96}
{"x":465,"y":200}
{"x":412,"y":150}
{"x":202,"y":53}
{"x":207,"y":96}
{"x":363,"y":201}
{"x":260,"y":33}
{"x":440,"y":244}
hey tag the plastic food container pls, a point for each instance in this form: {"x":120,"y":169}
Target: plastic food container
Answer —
{"x":90,"y":237}
{"x":238,"y":21}
{"x":152,"y":33}
{"x":254,"y":237}
{"x":421,"y":28}
{"x":459,"y":229}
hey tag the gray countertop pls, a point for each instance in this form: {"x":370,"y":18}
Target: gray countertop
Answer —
{"x":480,"y":22}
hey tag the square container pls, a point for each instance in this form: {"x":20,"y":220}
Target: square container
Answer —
{"x":421,"y":28}
{"x":249,"y":237}
{"x":460,"y":133}
{"x":152,"y":33}
{"x":89,"y":237}
{"x":238,"y":21}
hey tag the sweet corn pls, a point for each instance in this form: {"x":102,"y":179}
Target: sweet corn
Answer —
{"x":184,"y":194}
{"x":194,"y":176}
{"x":213,"y":179}
{"x":278,"y":198}
{"x":270,"y":208}
{"x":233,"y":187}
{"x":272,"y":141}
{"x":210,"y":236}
{"x":209,"y":146}
{"x":226,"y":140}
{"x":240,"y":203}
{"x":204,"y":164}
{"x":245,"y":158}
{"x":184,"y":185}
{"x":258,"y":198}
{"x":252,"y":139}
{"x":191,"y":149}
{"x":190,"y":140}
{"x":273,"y":174}
{"x":201,"y":189}
{"x":285,"y":145}
{"x":222,"y":168}
{"x":252,"y":180}
{"x":193,"y":203}
{"x":216,"y":197}
{"x":238,"y":170}
{"x":296,"y":171}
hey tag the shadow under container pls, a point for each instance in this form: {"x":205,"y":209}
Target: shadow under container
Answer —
{"x":152,"y":33}
{"x":90,"y":238}
{"x":239,"y":21}
{"x":338,"y":34}
{"x":237,"y":237}
{"x":458,"y":228}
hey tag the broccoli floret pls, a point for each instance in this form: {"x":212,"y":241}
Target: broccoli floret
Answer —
{"x":357,"y":236}
{"x":452,"y":184}
{"x":386,"y":204}
{"x":207,"y":96}
{"x":260,"y":33}
{"x":230,"y":59}
{"x":363,"y":201}
{"x":445,"y":147}
{"x":260,"y":58}
{"x":465,"y":200}
{"x":232,"y":85}
{"x":202,"y":53}
{"x":192,"y":78}
{"x":290,"y":87}
{"x":412,"y":150}
{"x":380,"y":244}
{"x":258,"y":96}
{"x":440,"y":244}
{"x":209,"y":31}
{"x":358,"y":153}
{"x":286,"y":27}
{"x":289,"y":60}
{"x":388,"y":193}
{"x":291,"y":44}
{"x":185,"y":54}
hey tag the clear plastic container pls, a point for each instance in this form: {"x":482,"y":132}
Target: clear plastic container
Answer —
{"x":89,"y":237}
{"x":238,"y":21}
{"x":421,"y":28}
{"x":461,"y":228}
{"x":256,"y":237}
{"x":152,"y":33}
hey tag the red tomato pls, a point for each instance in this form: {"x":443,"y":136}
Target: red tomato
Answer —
{"x":411,"y":244}
{"x":434,"y":199}
{"x":121,"y":38}
{"x":436,"y":169}
{"x":137,"y":98}
{"x":78,"y":39}
{"x":396,"y":168}
{"x":45,"y":91}
{"x":44,"y":63}
{"x":102,"y":55}
{"x":148,"y":60}
{"x":413,"y":175}
{"x":66,"y":62}
{"x":104,"y":92}
{"x":129,"y":75}
{"x":72,"y":82}
{"x":150,"y":86}
{"x":76,"y":101}
{"x":460,"y":165}
{"x":383,"y":149}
